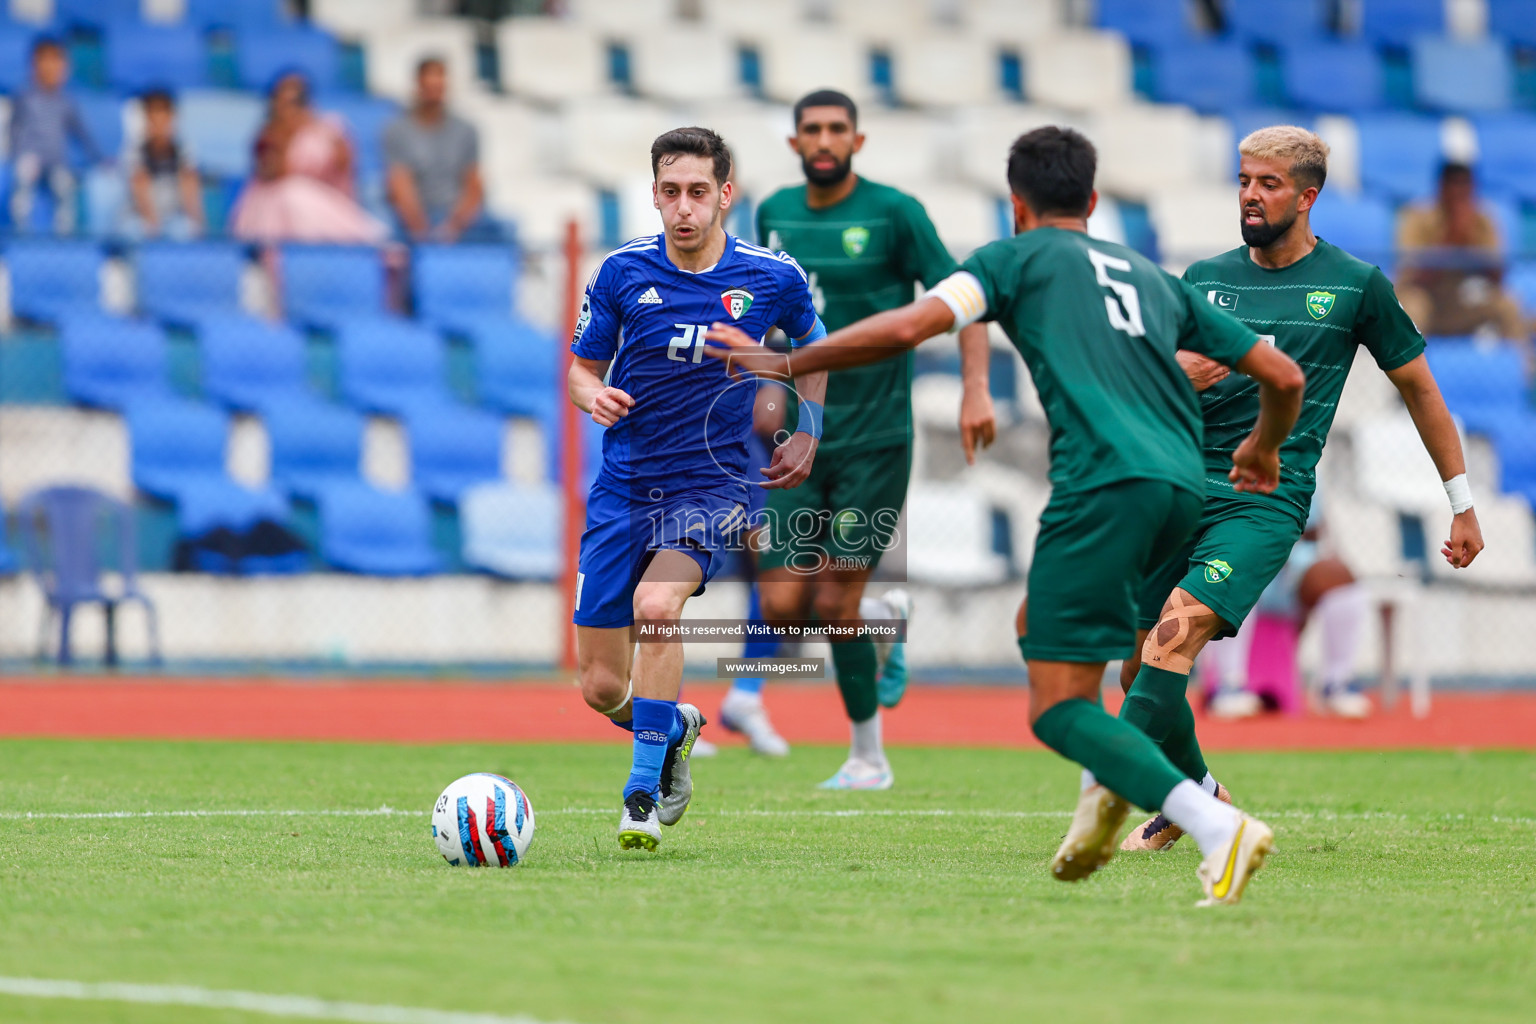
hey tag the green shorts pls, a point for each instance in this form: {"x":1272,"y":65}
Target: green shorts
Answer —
{"x":842,"y":517}
{"x":1238,"y":548}
{"x":1093,"y":552}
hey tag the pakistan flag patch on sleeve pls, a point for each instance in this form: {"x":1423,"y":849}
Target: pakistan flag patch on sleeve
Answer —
{"x":1319,"y":304}
{"x":1216,"y":570}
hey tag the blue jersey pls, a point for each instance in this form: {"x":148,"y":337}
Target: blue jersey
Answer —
{"x":689,"y":424}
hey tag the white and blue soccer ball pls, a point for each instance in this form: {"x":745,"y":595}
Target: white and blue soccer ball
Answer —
{"x":483,"y":821}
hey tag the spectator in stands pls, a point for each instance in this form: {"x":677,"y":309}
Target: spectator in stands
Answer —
{"x":434,"y":164}
{"x":162,"y":176}
{"x":1453,"y":264}
{"x":43,"y":120}
{"x":301,"y":189}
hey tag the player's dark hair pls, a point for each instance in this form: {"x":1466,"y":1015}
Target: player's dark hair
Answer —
{"x":826,"y":98}
{"x":430,"y":61}
{"x":692,"y":142}
{"x":1052,"y":170}
{"x":158,"y":98}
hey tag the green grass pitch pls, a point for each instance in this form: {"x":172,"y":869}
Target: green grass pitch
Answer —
{"x":1403,"y":888}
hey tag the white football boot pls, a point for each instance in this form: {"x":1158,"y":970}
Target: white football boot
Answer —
{"x":676,"y":779}
{"x":743,"y":712}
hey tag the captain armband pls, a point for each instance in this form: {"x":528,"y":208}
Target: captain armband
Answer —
{"x":1460,"y":492}
{"x":964,"y":296}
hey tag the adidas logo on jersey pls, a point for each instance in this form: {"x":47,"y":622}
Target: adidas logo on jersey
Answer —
{"x":650,"y":298}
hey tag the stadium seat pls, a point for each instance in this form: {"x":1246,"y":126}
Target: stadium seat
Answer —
{"x":795,"y":63}
{"x":180,"y":282}
{"x":712,"y":68}
{"x":249,"y":363}
{"x":1209,"y":76}
{"x":1078,"y":71}
{"x":513,"y":529}
{"x":50,"y":278}
{"x":1360,"y":224}
{"x":452,"y":448}
{"x":389,"y":366}
{"x":1506,"y":146}
{"x":1277,"y":22}
{"x":949,"y":537}
{"x":261,"y":55}
{"x":109,"y":362}
{"x":381,"y":533}
{"x":1514,"y":20}
{"x":1461,"y":76}
{"x":366,"y":118}
{"x":454,"y":284}
{"x":325,"y":284}
{"x":517,"y":365}
{"x":313,"y":444}
{"x":102,"y":113}
{"x":242,"y":14}
{"x":1482,"y":383}
{"x":947,"y":68}
{"x":549,"y":59}
{"x":1149,"y":22}
{"x":145,"y":56}
{"x":1332,"y":76}
{"x":1399,"y":155}
{"x":220,"y":127}
{"x":1397,"y":22}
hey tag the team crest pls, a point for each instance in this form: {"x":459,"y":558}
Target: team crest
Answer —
{"x":736,"y":301}
{"x":1216,"y":570}
{"x":1319,"y":304}
{"x":855,"y":240}
{"x":1222,"y":300}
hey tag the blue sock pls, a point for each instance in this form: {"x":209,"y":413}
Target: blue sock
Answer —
{"x":755,"y":647}
{"x":654,"y":722}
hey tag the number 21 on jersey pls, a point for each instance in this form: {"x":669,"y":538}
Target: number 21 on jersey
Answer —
{"x":1124,"y":314}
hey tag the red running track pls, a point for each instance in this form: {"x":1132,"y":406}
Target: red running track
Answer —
{"x":429,"y":712}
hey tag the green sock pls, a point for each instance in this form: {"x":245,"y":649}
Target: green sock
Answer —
{"x":1157,"y":705}
{"x":855,"y":665}
{"x":1119,"y":755}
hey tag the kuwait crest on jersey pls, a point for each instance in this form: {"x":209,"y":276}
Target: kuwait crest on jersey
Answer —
{"x":1216,"y":570}
{"x":1319,"y":304}
{"x":736,"y":301}
{"x":855,"y":240}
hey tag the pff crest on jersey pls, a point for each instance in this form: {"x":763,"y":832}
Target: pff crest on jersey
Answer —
{"x":736,"y":302}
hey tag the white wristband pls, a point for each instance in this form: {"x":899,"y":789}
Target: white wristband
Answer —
{"x":1460,"y":493}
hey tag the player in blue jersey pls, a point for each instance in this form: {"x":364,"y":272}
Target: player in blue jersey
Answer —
{"x":671,"y":498}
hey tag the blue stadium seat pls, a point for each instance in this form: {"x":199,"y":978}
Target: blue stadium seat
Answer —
{"x":453,"y":447}
{"x":390,"y":366}
{"x":1482,"y":383}
{"x":1514,"y":20}
{"x":1506,"y":146}
{"x":51,"y":277}
{"x":248,"y":363}
{"x":314,"y":445}
{"x":103,"y":117}
{"x":235,"y":14}
{"x":261,"y":55}
{"x":1149,"y":22}
{"x":141,"y":57}
{"x":366,"y":118}
{"x":326,"y":284}
{"x":110,"y":362}
{"x":1396,"y":22}
{"x":15,"y":56}
{"x":1209,"y":76}
{"x":178,"y":456}
{"x":1332,"y":76}
{"x":457,"y":284}
{"x":1361,"y":225}
{"x":96,"y":14}
{"x":381,"y":533}
{"x":220,"y":127}
{"x":1399,"y":154}
{"x":181,"y":282}
{"x":1277,"y":22}
{"x":514,"y":529}
{"x":517,"y":366}
{"x":1461,"y":76}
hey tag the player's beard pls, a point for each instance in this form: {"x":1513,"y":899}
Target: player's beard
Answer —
{"x":1261,"y":235}
{"x":825,"y":176}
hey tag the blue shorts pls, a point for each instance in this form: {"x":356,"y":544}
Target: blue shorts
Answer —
{"x":623,"y":533}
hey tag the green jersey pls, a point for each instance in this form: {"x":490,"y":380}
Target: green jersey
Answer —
{"x":1099,"y":326}
{"x":1316,"y":311}
{"x":864,"y":255}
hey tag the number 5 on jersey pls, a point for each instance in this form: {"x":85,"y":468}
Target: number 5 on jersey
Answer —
{"x":692,"y":337}
{"x":1124,"y":315}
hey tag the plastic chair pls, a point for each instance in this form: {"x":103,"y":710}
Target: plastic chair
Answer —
{"x":1461,"y":75}
{"x":1361,"y":225}
{"x":1148,"y":22}
{"x":313,"y":444}
{"x":183,"y":281}
{"x":390,"y":366}
{"x":1396,"y":22}
{"x":517,"y":366}
{"x":514,"y":530}
{"x":220,"y":127}
{"x":324,"y":284}
{"x":61,"y":529}
{"x":460,"y":283}
{"x":250,"y":363}
{"x":1399,"y":154}
{"x":262,"y":54}
{"x":1208,"y":76}
{"x":143,"y":56}
{"x":453,"y":447}
{"x":1483,"y":384}
{"x":52,"y":277}
{"x":1332,"y":75}
{"x":110,"y":362}
{"x":380,"y":533}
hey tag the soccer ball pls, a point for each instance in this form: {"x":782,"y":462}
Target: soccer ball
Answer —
{"x":483,"y":820}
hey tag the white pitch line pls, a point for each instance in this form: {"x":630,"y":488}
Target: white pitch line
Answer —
{"x":304,"y":1007}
